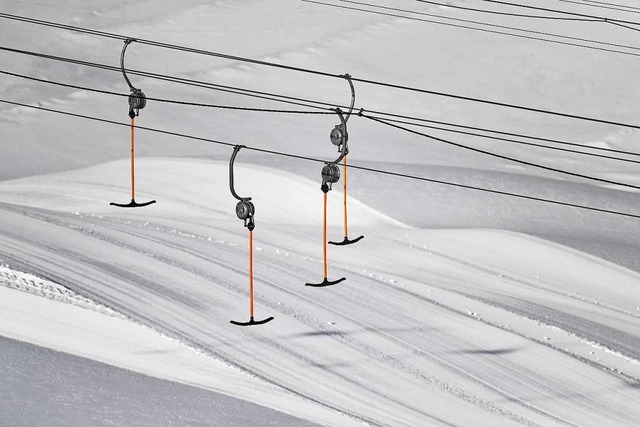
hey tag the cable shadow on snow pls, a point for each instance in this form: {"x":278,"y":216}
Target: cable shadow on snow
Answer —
{"x":489,"y":352}
{"x":338,"y":332}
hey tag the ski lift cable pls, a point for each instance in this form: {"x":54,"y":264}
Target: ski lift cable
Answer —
{"x":497,"y":12}
{"x":503,"y":27}
{"x":309,"y":103}
{"x":499,"y":32}
{"x":164,"y":100}
{"x":605,"y":5}
{"x":325,"y":74}
{"x":375,"y":114}
{"x":352,"y":166}
{"x":513,"y":141}
{"x":561,"y":12}
{"x":494,"y":12}
{"x":180,"y":80}
{"x":500,"y":156}
{"x":623,"y":26}
{"x":313,"y":112}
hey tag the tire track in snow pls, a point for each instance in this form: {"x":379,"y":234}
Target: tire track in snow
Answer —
{"x":298,"y":315}
{"x":208,"y":258}
{"x":507,"y":276}
{"x":532,"y":377}
{"x":368,"y":350}
{"x":180,"y":334}
{"x":459,"y":393}
{"x":629,"y":346}
{"x":286,"y":270}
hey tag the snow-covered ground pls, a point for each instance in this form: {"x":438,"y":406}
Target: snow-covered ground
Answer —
{"x":459,"y":308}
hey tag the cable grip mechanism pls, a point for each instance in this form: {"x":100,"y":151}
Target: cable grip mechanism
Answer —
{"x":137,"y":99}
{"x":339,"y":137}
{"x":339,"y":133}
{"x":245,"y":210}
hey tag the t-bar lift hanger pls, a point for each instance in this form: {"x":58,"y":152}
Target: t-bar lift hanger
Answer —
{"x":331,"y":175}
{"x":245,"y":211}
{"x":137,"y":101}
{"x":335,"y":139}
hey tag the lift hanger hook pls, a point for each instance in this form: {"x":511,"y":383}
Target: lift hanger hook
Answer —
{"x":244,"y":208}
{"x":137,"y":100}
{"x":353,"y":95}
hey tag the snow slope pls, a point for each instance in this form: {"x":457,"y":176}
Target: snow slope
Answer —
{"x":431,"y":327}
{"x":52,"y":316}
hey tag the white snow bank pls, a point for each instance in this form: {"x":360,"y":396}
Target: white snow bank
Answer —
{"x":190,"y":188}
{"x":60,"y":319}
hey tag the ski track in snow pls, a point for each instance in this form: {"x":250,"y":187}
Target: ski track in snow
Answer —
{"x":123,"y":234}
{"x":628,"y":345}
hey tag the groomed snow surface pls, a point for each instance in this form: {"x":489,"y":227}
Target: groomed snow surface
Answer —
{"x":431,"y":327}
{"x":459,"y":308}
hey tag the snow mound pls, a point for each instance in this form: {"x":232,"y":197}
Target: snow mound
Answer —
{"x":189,"y":188}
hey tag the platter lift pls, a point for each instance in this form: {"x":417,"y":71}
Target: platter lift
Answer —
{"x":336,"y":136}
{"x":331,"y":175}
{"x":137,"y":101}
{"x":245,"y":211}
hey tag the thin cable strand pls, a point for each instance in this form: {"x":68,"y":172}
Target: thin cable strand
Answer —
{"x":495,"y":12}
{"x":312,"y":103}
{"x":228,"y":107}
{"x":352,"y":166}
{"x":562,"y":12}
{"x":513,"y":141}
{"x":164,"y":100}
{"x":503,"y":27}
{"x":603,"y":5}
{"x":322,"y":73}
{"x":500,"y":156}
{"x":484,"y":30}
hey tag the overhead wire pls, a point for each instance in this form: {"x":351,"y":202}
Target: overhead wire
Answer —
{"x":308,"y":158}
{"x":164,"y":100}
{"x":605,"y":5}
{"x":561,"y":12}
{"x":523,"y":36}
{"x":503,"y":157}
{"x":173,"y":79}
{"x":617,"y":24}
{"x":309,"y":104}
{"x":495,"y":12}
{"x":326,"y":74}
{"x":513,"y":141}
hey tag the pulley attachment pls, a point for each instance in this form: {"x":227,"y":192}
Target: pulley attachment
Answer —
{"x":245,"y":211}
{"x":339,"y":136}
{"x":330,"y":175}
{"x":137,"y":100}
{"x":244,"y":208}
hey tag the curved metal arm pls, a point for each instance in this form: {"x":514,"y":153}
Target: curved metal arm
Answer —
{"x":353,"y":96}
{"x":342,"y":145}
{"x":233,"y":159}
{"x":124,"y":73}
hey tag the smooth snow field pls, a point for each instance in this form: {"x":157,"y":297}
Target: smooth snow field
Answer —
{"x":460,"y":307}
